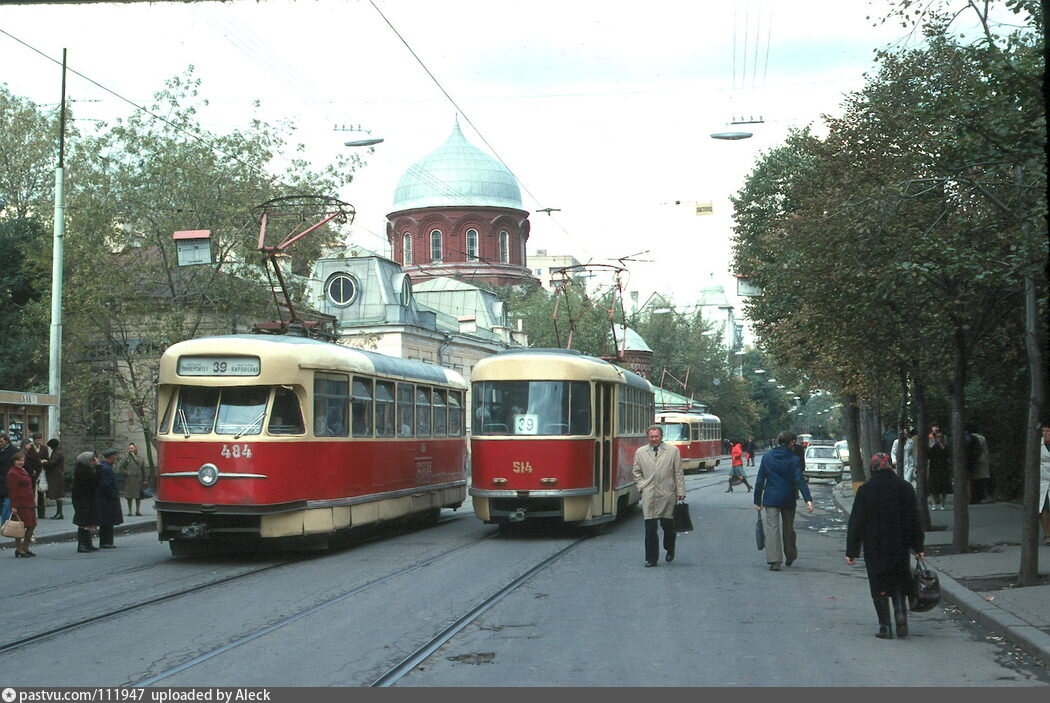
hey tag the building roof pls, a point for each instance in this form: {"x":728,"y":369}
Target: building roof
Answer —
{"x":457,"y":174}
{"x":713,"y":296}
{"x":630,"y":340}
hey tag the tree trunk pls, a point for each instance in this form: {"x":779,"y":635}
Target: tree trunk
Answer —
{"x":1029,"y":569}
{"x":960,"y":473}
{"x":921,"y":445}
{"x":856,"y":466}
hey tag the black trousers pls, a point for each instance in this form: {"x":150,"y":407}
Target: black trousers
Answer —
{"x":105,"y":534}
{"x":652,"y":539}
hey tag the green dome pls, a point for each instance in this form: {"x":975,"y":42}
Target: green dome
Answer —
{"x":456,"y":174}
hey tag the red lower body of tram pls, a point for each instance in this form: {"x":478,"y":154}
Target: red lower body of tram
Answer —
{"x":209,"y":492}
{"x":699,"y":455}
{"x":573,"y":481}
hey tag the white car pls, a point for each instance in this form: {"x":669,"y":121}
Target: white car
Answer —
{"x":842,"y":450}
{"x":822,"y":461}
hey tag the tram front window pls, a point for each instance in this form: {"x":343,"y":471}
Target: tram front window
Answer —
{"x":241,"y":411}
{"x":675,"y":432}
{"x":532,"y":408}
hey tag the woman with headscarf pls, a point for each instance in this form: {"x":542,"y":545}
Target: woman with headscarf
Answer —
{"x":85,"y":486}
{"x":885,"y":523}
{"x":55,"y":470}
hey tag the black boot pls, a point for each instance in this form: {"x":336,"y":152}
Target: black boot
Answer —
{"x":900,"y":614}
{"x":882,"y":608}
{"x":58,"y":510}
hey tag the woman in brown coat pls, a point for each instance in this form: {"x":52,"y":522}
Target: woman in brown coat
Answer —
{"x":55,"y":470}
{"x":22,"y":490}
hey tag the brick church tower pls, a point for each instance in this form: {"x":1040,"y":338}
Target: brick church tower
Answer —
{"x":458,"y":213}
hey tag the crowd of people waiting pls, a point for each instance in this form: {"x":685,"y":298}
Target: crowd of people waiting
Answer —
{"x":34,"y":474}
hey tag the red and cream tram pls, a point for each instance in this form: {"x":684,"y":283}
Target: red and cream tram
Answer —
{"x":698,"y":437}
{"x":553,"y":436}
{"x":292,"y":439}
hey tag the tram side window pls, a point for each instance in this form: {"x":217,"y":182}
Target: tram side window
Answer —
{"x":196,"y":410}
{"x":286,"y":416}
{"x":406,"y":413}
{"x":455,"y":414}
{"x":331,"y":406}
{"x":165,"y":422}
{"x":361,"y":407}
{"x":422,"y":412}
{"x":384,"y":409}
{"x":621,"y":422}
{"x":241,"y":410}
{"x":440,"y":413}
{"x":580,"y":408}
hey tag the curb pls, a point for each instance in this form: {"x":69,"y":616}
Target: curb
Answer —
{"x":1026,"y":636}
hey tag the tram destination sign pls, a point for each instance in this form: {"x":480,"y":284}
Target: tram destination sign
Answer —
{"x":218,"y":366}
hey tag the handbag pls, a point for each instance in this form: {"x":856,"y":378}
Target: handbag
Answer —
{"x":682,"y":521}
{"x":926,"y":587}
{"x":760,"y":533}
{"x":14,"y":528}
{"x":41,"y":483}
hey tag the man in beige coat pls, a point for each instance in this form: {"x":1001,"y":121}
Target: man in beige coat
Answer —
{"x":658,"y":473}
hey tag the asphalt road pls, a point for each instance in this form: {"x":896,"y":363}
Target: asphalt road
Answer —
{"x":591,"y":617}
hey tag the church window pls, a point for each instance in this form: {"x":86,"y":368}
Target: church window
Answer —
{"x":472,"y":245}
{"x":504,"y":248}
{"x":435,"y":246}
{"x":406,"y":250}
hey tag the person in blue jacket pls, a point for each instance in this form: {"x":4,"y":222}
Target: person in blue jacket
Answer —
{"x":777,"y":486}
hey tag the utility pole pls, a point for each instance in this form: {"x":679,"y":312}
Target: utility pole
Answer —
{"x":54,"y":381}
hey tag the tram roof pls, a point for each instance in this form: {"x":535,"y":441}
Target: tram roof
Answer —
{"x":309,"y":354}
{"x":553,"y":365}
{"x":682,"y":416}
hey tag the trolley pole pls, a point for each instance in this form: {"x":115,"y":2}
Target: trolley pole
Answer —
{"x":54,"y":380}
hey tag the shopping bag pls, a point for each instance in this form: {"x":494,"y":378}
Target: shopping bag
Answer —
{"x":14,"y":528}
{"x":760,"y":534}
{"x":682,"y":521}
{"x":41,"y":483}
{"x":926,"y":587}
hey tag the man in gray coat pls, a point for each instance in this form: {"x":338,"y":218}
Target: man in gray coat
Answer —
{"x":658,"y":474}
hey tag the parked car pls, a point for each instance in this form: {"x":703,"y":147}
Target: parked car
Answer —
{"x":822,"y":461}
{"x":842,"y":451}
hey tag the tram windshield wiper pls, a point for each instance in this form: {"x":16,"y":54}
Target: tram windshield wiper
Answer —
{"x":185,"y":422}
{"x":255,"y":423}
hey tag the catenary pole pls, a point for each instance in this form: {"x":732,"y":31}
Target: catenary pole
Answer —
{"x":54,"y":379}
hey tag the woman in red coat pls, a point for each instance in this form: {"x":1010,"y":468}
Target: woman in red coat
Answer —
{"x":22,"y":491}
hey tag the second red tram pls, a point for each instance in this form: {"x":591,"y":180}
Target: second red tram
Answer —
{"x":554,"y":435}
{"x":292,"y":439}
{"x":698,"y":437}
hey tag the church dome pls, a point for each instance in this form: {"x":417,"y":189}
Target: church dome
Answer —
{"x":457,"y":174}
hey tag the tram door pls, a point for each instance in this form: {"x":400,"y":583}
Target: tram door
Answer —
{"x":603,"y":449}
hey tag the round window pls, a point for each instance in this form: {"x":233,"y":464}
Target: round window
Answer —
{"x":341,"y":289}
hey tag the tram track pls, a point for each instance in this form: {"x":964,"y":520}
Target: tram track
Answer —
{"x":30,"y":640}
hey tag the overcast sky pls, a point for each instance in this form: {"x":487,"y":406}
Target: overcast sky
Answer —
{"x":602,"y":108}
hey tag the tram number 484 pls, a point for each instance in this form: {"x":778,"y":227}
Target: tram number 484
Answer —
{"x":237,"y":451}
{"x":522,"y":467}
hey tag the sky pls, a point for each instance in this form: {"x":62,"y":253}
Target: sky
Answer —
{"x":601,"y":108}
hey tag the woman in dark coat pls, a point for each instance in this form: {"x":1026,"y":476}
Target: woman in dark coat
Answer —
{"x":885,"y":522}
{"x":55,"y":470}
{"x":939,"y":483}
{"x":109,"y":512}
{"x":85,"y":486}
{"x":21,"y":489}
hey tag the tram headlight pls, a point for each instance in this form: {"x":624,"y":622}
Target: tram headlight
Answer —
{"x":208,"y":475}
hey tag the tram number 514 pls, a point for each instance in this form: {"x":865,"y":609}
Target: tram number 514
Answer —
{"x":522,"y":467}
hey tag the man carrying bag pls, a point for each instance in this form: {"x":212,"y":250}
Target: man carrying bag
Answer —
{"x":658,"y":475}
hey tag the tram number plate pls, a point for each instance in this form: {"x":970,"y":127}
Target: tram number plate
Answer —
{"x":424,"y":469}
{"x":237,"y":451}
{"x":522,"y":467}
{"x":526,"y":424}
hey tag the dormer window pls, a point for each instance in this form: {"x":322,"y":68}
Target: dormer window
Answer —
{"x":341,"y":289}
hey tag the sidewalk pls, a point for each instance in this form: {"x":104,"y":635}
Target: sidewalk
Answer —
{"x":981,"y":582}
{"x":49,"y":531}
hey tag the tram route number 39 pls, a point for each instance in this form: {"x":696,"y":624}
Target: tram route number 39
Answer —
{"x":237,"y":451}
{"x":522,"y":467}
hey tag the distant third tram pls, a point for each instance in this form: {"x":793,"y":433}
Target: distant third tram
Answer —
{"x":698,"y":437}
{"x":553,"y":437}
